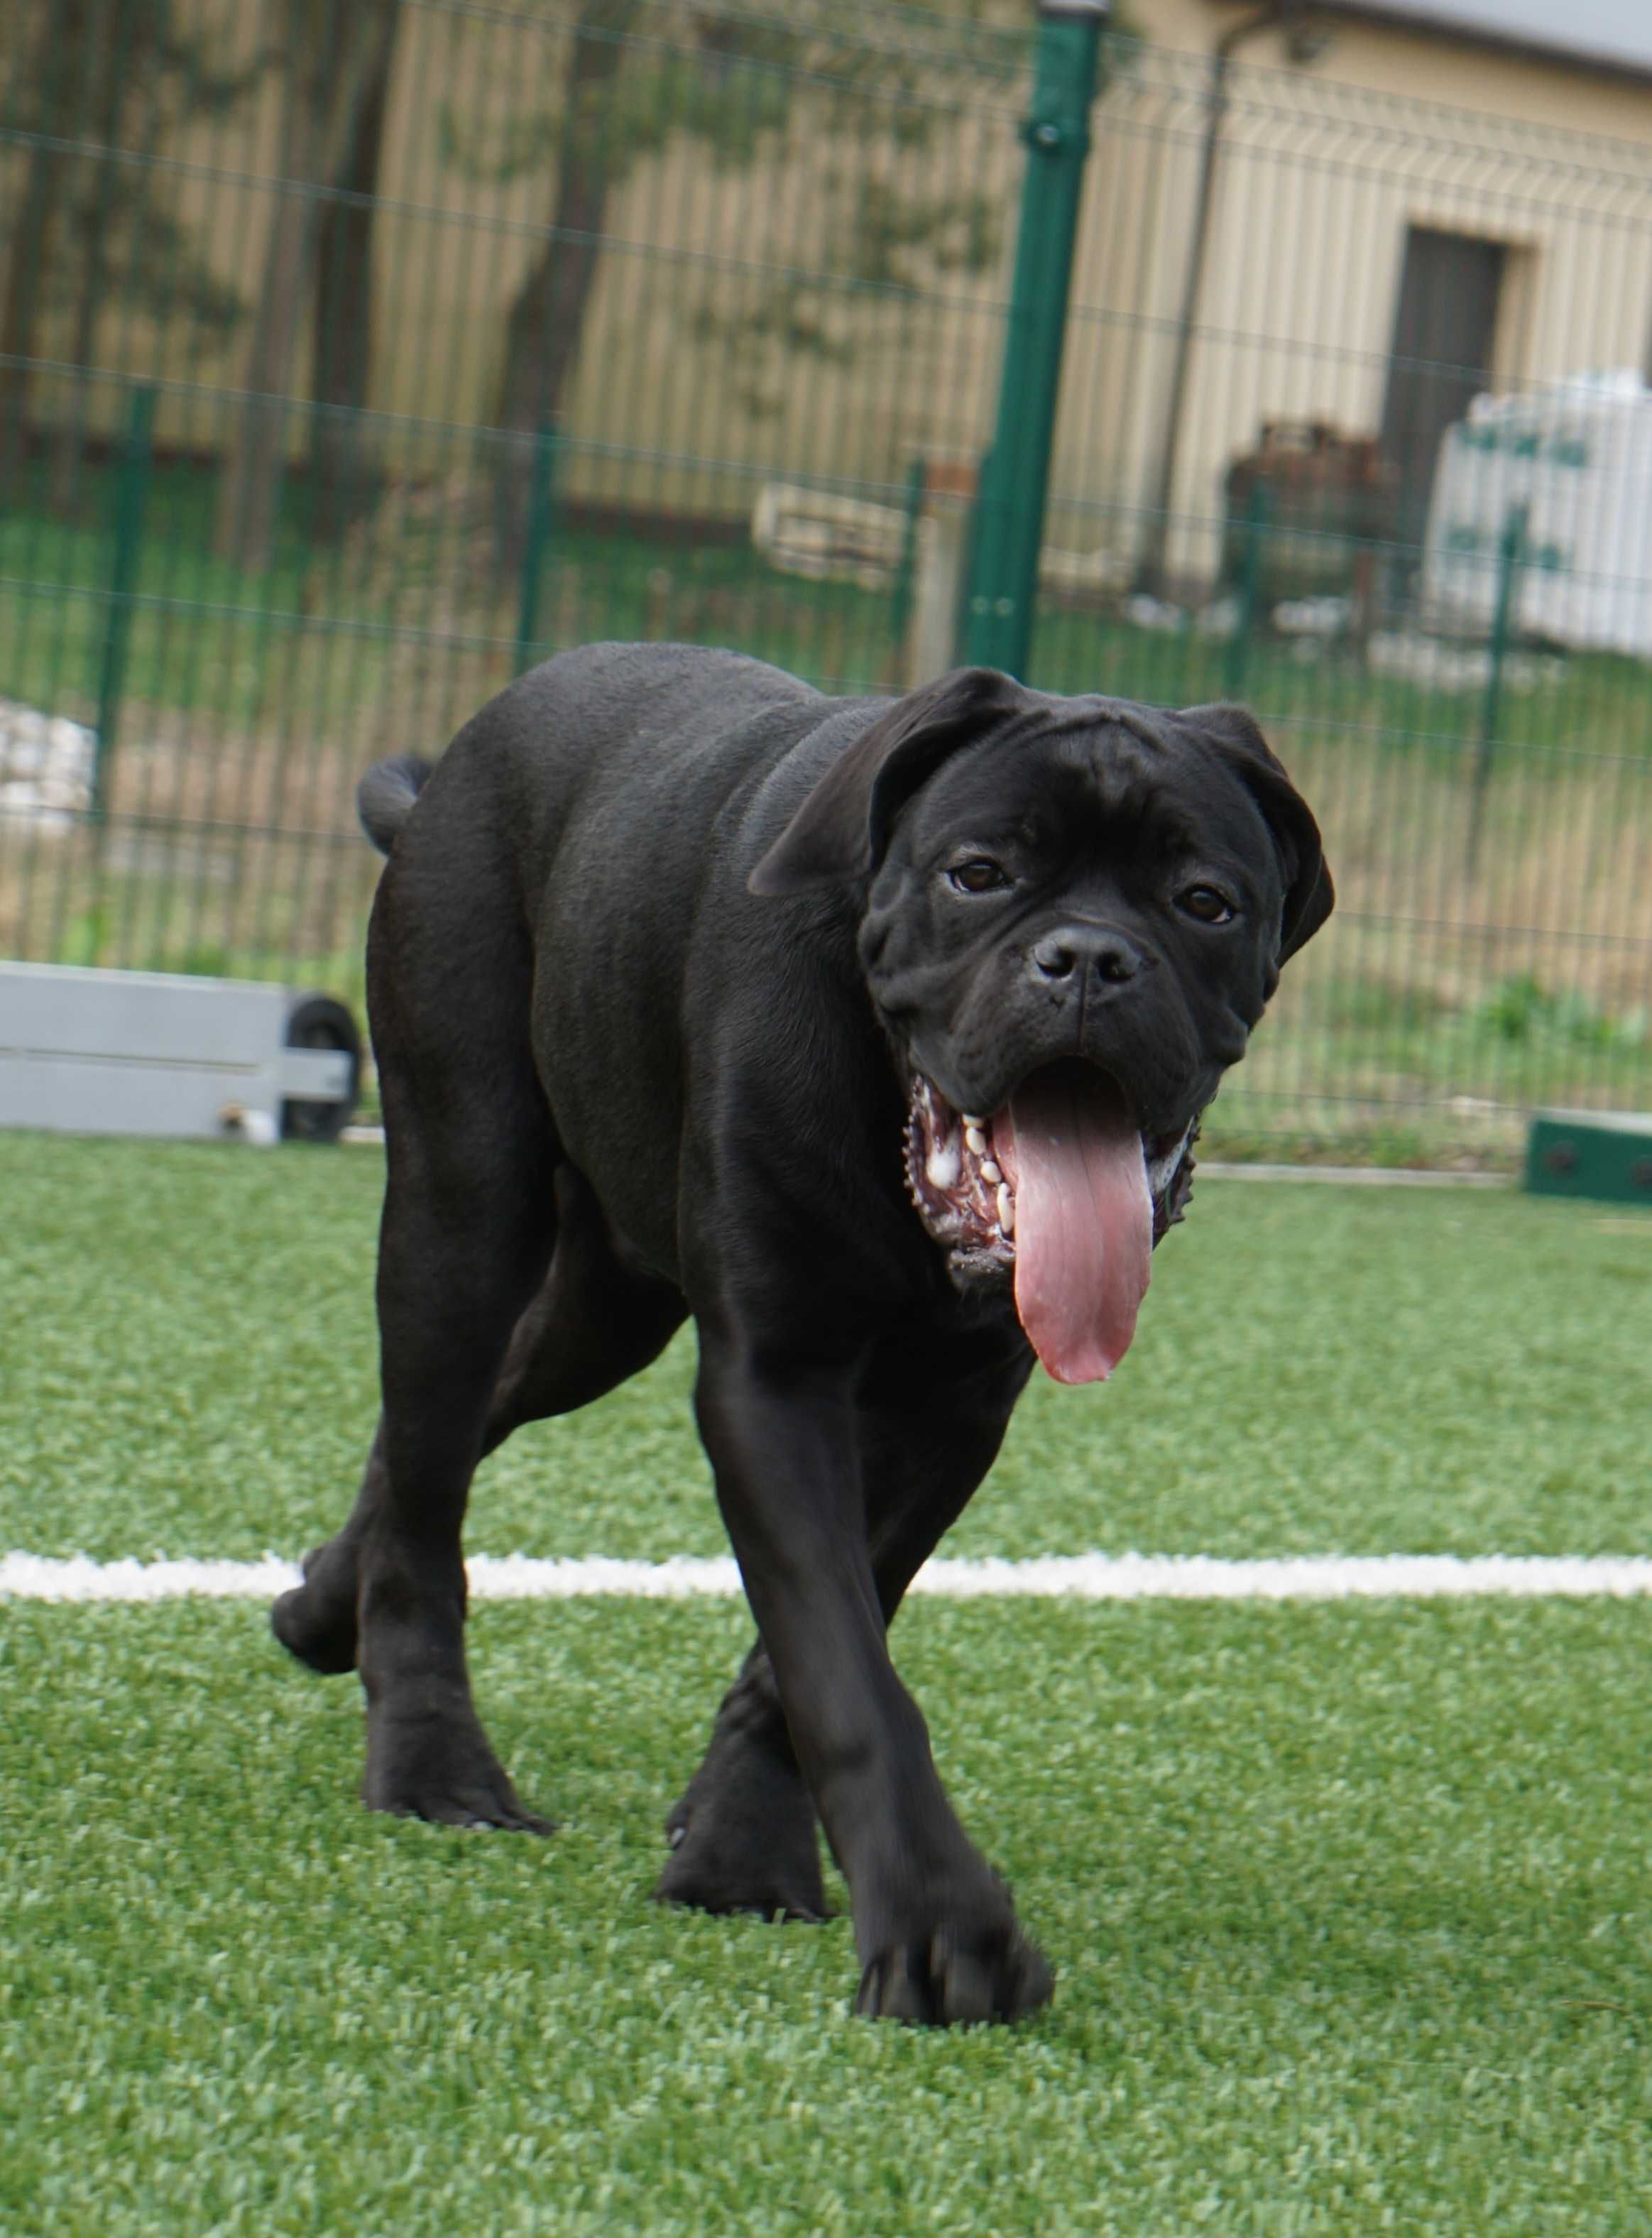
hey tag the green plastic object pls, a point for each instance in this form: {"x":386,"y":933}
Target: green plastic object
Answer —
{"x":1604,"y":1155}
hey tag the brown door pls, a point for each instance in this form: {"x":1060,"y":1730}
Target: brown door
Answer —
{"x":1444,"y":328}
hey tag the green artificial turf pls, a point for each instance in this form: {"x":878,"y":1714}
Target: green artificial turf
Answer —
{"x":1349,"y":1907}
{"x":1348,"y":1903}
{"x":190,"y":1363}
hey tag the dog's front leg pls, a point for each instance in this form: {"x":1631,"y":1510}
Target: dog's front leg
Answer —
{"x":928,"y":1424}
{"x":936,"y":1931}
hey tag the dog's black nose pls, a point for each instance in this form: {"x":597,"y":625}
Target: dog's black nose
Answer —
{"x":1087,"y":948}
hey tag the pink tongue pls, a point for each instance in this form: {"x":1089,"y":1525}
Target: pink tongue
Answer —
{"x":1083,"y":1221}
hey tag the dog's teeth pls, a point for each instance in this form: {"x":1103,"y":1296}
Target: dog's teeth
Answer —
{"x":970,"y":1120}
{"x":991,"y":1172}
{"x":975,"y":1138}
{"x":1006,"y":1208}
{"x":941,"y":1165}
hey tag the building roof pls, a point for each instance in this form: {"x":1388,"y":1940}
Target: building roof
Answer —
{"x":1609,"y":33}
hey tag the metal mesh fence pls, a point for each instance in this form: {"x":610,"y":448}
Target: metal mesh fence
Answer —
{"x":352,"y":357}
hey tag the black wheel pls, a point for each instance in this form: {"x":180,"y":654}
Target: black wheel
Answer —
{"x":318,"y":1022}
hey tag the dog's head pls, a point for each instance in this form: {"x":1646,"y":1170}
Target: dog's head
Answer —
{"x":1075,"y":910}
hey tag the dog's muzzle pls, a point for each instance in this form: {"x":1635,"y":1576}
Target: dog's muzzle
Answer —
{"x":1058,"y":1189}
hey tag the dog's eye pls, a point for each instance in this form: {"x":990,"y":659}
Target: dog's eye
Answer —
{"x":981,"y":875}
{"x":1204,"y":902}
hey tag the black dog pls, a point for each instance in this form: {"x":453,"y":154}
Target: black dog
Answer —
{"x":872,"y":1033}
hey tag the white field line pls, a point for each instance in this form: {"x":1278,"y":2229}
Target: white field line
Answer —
{"x":1058,"y":1577}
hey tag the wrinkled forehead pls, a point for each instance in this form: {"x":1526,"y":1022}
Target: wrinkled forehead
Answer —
{"x":1097,"y":769}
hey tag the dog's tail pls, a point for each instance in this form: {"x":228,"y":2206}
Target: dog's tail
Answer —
{"x":386,"y":794}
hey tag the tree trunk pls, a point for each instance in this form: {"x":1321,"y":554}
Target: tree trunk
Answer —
{"x":543,"y":330}
{"x":114,"y":48}
{"x":330,"y":59}
{"x":69,"y":436}
{"x":30,"y":248}
{"x":62,"y":44}
{"x":342,"y":470}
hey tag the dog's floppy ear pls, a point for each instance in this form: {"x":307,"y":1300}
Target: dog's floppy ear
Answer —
{"x":842,"y":827}
{"x":1309,"y":895}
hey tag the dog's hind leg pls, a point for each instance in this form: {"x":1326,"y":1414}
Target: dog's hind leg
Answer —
{"x":456,"y":1263}
{"x":591,"y":1323}
{"x":468,"y":1226}
{"x":316,"y":1621}
{"x":744,"y":1833}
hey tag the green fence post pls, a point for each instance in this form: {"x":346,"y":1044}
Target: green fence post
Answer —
{"x":1249,"y":582}
{"x":542,"y":482}
{"x":1512,"y":552}
{"x":1000,"y":605}
{"x":131,"y":494}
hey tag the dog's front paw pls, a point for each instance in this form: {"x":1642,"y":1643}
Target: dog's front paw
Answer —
{"x":442,"y":1769}
{"x":966,"y":1966}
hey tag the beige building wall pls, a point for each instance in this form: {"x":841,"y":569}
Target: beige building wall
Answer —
{"x":670,"y":407}
{"x":1322,"y":169}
